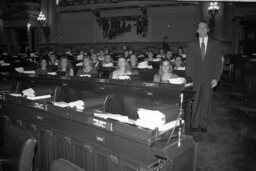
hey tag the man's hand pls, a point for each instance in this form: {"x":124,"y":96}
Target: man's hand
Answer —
{"x":214,"y":83}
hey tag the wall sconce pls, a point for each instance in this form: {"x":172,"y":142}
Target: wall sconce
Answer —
{"x":213,"y":10}
{"x":46,"y":29}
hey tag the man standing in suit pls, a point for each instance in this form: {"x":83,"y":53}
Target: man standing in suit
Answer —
{"x":204,"y":68}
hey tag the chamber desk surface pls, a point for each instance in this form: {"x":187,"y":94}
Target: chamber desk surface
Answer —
{"x":93,"y":143}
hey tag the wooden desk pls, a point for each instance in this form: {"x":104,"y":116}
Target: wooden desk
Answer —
{"x":93,"y":143}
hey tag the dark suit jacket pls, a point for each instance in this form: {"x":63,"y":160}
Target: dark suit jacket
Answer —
{"x":204,"y":71}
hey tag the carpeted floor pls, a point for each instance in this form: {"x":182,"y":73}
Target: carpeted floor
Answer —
{"x":230,"y":144}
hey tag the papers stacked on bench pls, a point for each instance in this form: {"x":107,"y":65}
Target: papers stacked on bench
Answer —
{"x":79,"y":104}
{"x":124,"y":77}
{"x":31,"y":95}
{"x":179,"y":80}
{"x":118,"y":117}
{"x":181,"y":68}
{"x":144,"y":64}
{"x":85,"y":75}
{"x":21,"y":70}
{"x":153,"y":119}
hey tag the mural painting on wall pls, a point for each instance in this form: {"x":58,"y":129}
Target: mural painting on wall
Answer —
{"x":112,"y":27}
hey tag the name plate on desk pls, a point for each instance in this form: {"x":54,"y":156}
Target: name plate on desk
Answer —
{"x":100,"y":123}
{"x":40,"y":106}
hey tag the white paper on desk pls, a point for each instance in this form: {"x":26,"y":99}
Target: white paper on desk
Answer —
{"x":118,"y":117}
{"x":79,"y":64}
{"x":28,"y":92}
{"x":15,"y":94}
{"x":179,"y":80}
{"x":156,"y":59}
{"x":152,"y":116}
{"x":123,"y":77}
{"x":181,"y":68}
{"x":79,"y":104}
{"x":39,"y":97}
{"x":29,"y":72}
{"x":52,"y":73}
{"x":61,"y":104}
{"x":85,"y":75}
{"x":19,"y":69}
{"x":146,"y":124}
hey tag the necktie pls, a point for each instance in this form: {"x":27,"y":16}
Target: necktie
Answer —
{"x":203,"y":49}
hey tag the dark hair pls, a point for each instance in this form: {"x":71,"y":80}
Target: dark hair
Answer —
{"x":69,"y":66}
{"x":40,"y":61}
{"x":203,"y":21}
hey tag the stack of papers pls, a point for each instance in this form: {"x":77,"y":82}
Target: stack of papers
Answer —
{"x":179,"y":80}
{"x":29,"y":72}
{"x":118,"y":117}
{"x":123,"y":77}
{"x":108,"y":64}
{"x":79,"y":104}
{"x":30,"y":93}
{"x":15,"y":94}
{"x":79,"y":64}
{"x":152,"y":119}
{"x":19,"y":69}
{"x":52,"y":73}
{"x":144,"y":64}
{"x":181,"y":68}
{"x":151,"y":116}
{"x":157,"y":60}
{"x":85,"y":75}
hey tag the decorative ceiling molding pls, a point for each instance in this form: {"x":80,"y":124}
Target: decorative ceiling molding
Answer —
{"x":122,"y":5}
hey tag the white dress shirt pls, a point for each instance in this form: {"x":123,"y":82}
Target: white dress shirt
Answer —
{"x":205,"y":42}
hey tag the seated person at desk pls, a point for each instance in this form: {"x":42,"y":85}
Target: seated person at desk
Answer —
{"x":133,"y":64}
{"x":101,"y":55}
{"x":122,"y":69}
{"x":42,"y":68}
{"x":169,"y":55}
{"x":133,"y":61}
{"x":180,"y":51}
{"x":53,"y":61}
{"x":108,"y":62}
{"x":94,"y":60}
{"x":178,"y":62}
{"x":87,"y":67}
{"x":150,"y":57}
{"x":165,"y":72}
{"x":65,"y":67}
{"x":161,"y":54}
{"x":126,"y":54}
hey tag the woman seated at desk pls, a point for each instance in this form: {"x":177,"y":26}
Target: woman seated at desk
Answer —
{"x":108,"y":62}
{"x":53,"y":61}
{"x":178,"y":63}
{"x":65,"y":68}
{"x":42,"y":69}
{"x":87,"y":67}
{"x":150,"y":57}
{"x":133,"y":62}
{"x":122,"y":69}
{"x":165,"y":72}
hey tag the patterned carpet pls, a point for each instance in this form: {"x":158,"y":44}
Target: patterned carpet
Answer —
{"x":230,"y":144}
